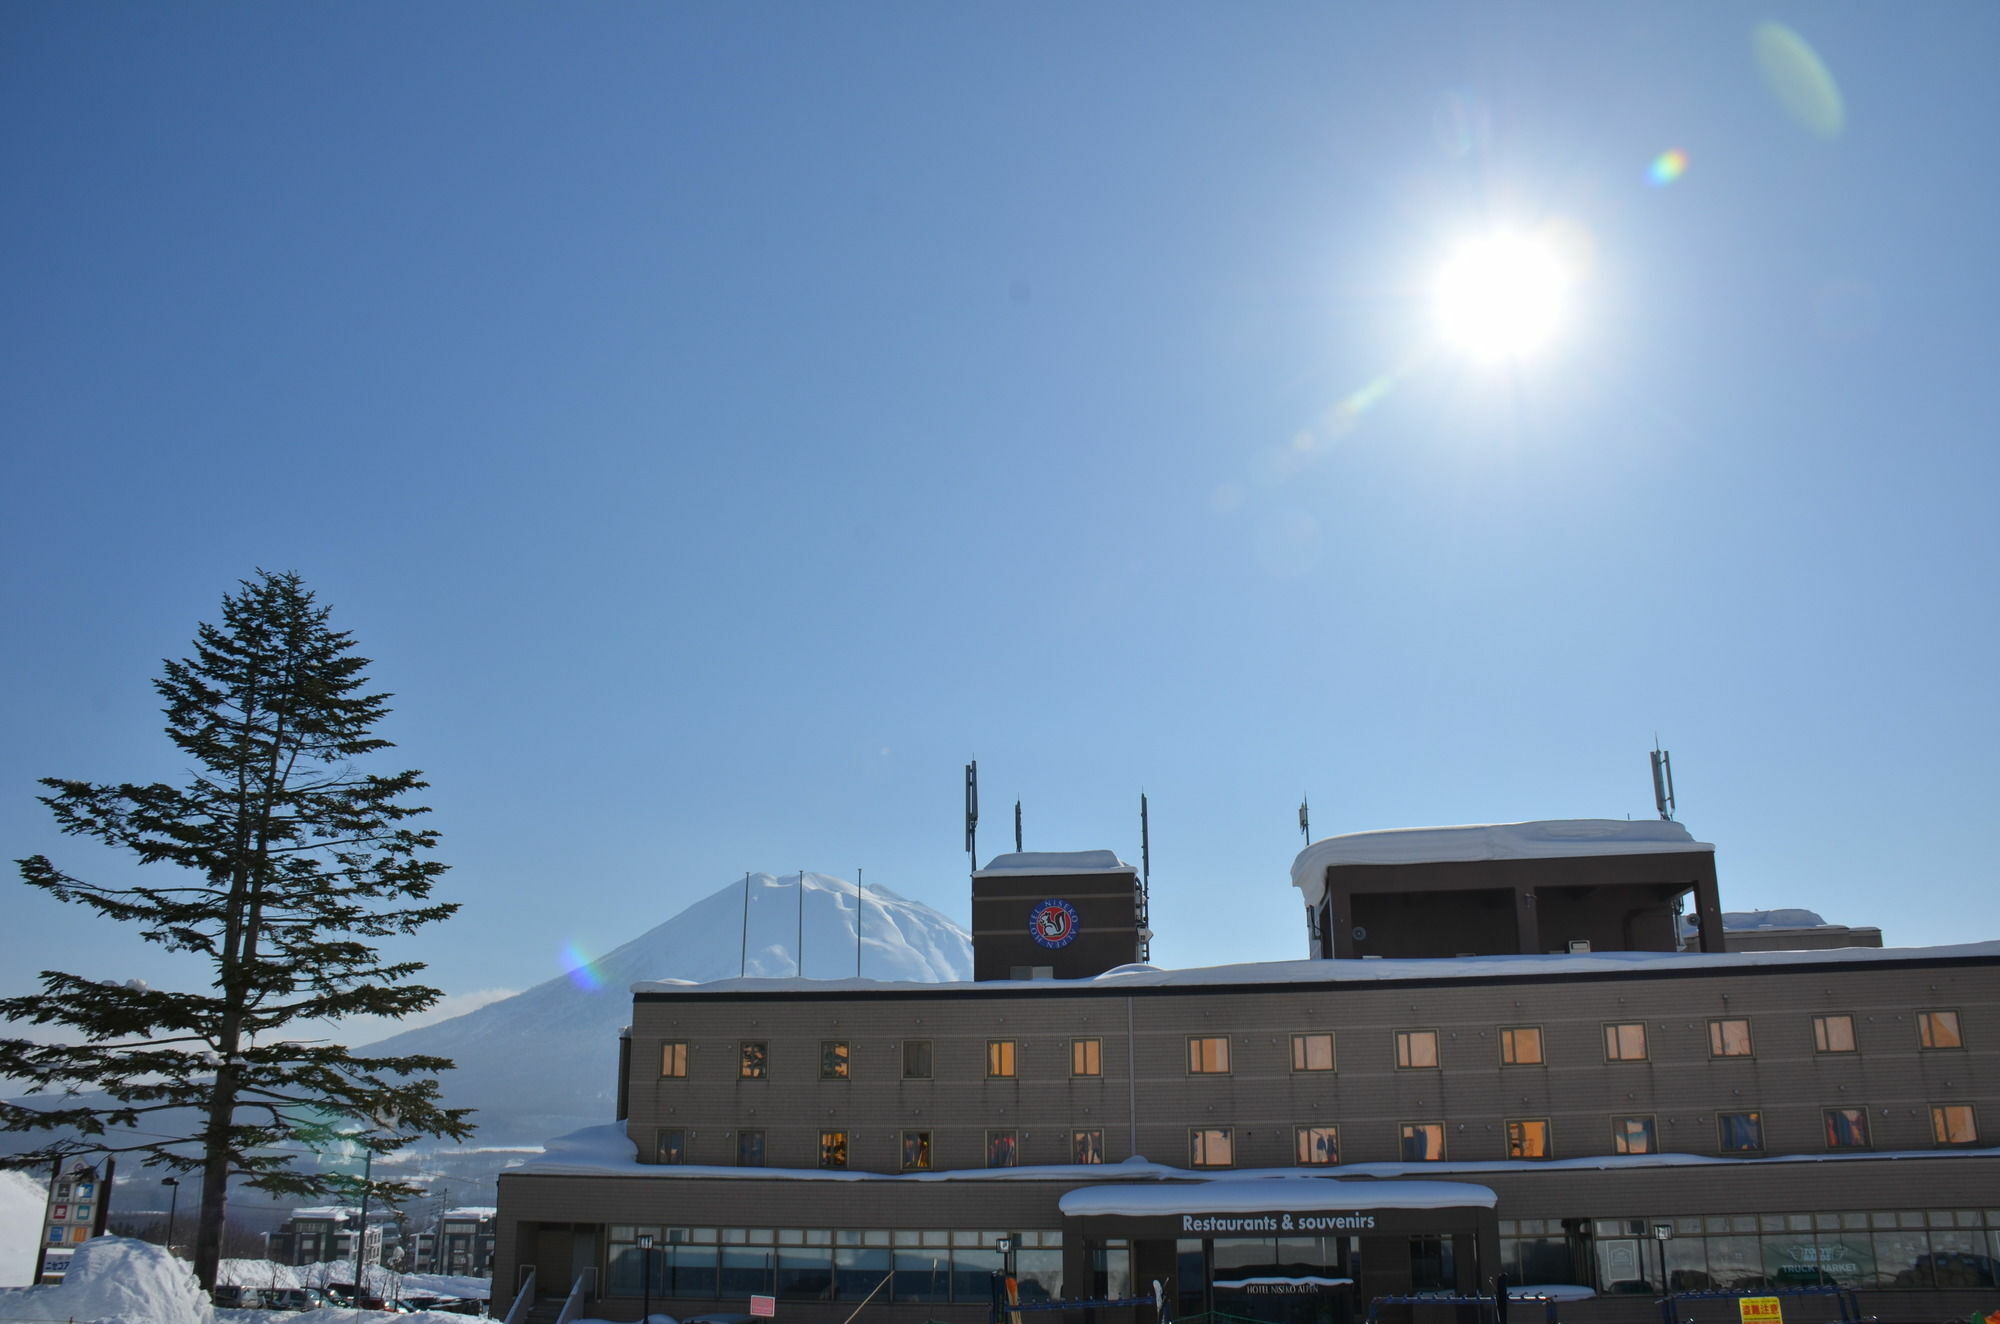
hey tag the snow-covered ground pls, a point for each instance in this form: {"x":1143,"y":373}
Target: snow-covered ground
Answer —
{"x":23,"y":1201}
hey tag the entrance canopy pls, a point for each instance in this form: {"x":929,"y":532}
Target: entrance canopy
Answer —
{"x":1275,"y":1206}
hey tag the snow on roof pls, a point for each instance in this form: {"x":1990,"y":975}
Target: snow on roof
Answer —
{"x":1545,"y":840}
{"x":1316,"y":1194}
{"x":1043,"y":863}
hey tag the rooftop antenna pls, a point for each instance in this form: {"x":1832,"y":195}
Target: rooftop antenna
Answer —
{"x":802,"y":924}
{"x":1663,"y":780}
{"x":1145,"y":881}
{"x":1017,"y":827}
{"x":743,"y":961}
{"x":972,"y":813}
{"x":859,"y":895}
{"x":1305,"y":819}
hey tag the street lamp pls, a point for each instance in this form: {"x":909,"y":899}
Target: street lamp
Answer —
{"x":646,"y":1283}
{"x":173,"y":1185}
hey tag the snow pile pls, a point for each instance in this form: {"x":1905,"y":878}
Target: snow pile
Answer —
{"x":257,"y":1273}
{"x":115,"y":1280}
{"x":23,"y":1201}
{"x":343,"y":1315}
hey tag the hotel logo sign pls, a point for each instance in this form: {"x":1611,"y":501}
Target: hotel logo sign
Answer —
{"x":1053,"y":923}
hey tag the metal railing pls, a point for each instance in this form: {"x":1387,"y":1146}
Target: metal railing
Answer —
{"x":1844,"y":1298}
{"x":524,"y":1300}
{"x":580,"y":1291}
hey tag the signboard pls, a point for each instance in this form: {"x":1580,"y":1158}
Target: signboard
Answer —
{"x":1760,"y":1310}
{"x":764,"y":1307}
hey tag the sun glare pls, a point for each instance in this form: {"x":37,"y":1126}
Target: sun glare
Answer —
{"x":1501,"y":297}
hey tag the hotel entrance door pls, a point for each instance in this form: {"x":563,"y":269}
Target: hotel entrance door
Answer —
{"x":1279,"y":1280}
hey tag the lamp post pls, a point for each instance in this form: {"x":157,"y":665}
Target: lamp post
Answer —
{"x":173,"y":1185}
{"x":646,"y":1281}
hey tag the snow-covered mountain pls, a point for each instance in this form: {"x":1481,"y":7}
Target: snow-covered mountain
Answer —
{"x":545,"y":1062}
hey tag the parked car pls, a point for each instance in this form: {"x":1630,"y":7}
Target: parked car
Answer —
{"x":295,"y":1298}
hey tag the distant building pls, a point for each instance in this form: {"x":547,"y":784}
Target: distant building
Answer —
{"x":319,"y":1235}
{"x":460,"y":1243}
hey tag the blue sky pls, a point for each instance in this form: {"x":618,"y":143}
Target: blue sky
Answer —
{"x":720,"y":422}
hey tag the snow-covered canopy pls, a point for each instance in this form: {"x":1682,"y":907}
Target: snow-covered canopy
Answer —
{"x":1544,"y":840}
{"x":1046,"y":862}
{"x":1313,"y":1194}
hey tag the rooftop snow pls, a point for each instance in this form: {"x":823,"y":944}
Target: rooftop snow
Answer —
{"x":1047,"y":862}
{"x":1546,"y":840}
{"x":1316,"y":1194}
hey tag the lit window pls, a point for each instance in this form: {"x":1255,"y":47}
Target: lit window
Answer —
{"x":1938,"y":1029}
{"x":1086,"y":1146}
{"x":833,"y":1060}
{"x":755,"y":1055}
{"x":749,"y":1149}
{"x":1208,"y":1056}
{"x":1625,"y":1043}
{"x":673,"y":1145}
{"x":1211,"y":1147}
{"x":1312,"y":1052}
{"x":1847,"y":1128}
{"x":1416,"y":1048}
{"x":916,"y":1151}
{"x":1528,"y":1138}
{"x":1521,"y":1046}
{"x":1953,"y":1124}
{"x":999,"y":1057}
{"x":1423,"y":1142}
{"x":1086,"y":1057}
{"x":1729,"y":1038}
{"x":1318,"y":1146}
{"x":1739,"y":1133}
{"x":1833,"y":1034}
{"x":674,"y":1059}
{"x":916,"y":1059}
{"x":1002,"y":1150}
{"x":833,"y":1149}
{"x":1634,"y":1135}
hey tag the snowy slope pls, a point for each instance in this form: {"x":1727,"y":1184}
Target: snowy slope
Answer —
{"x":22,"y":1204}
{"x":545,"y":1061}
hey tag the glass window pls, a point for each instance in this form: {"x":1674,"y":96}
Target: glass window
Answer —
{"x":1312,"y":1052}
{"x":805,"y":1273}
{"x":674,"y":1059}
{"x":1847,"y":1128}
{"x":972,"y":1275}
{"x":916,"y":1151}
{"x":673,"y":1145}
{"x":1521,"y":1046}
{"x":833,"y":1149}
{"x":1002,"y":1149}
{"x":1739,"y":1133}
{"x":916,"y":1059}
{"x":1208,"y":1055}
{"x":1318,"y":1146}
{"x":1833,"y":1034}
{"x":833,"y":1059}
{"x":1633,"y":1135}
{"x":1953,"y":1124}
{"x":1625,"y":1042}
{"x":1086,"y":1057}
{"x":1416,"y":1048}
{"x":858,"y":1271}
{"x":1000,"y":1057}
{"x":1729,"y":1038}
{"x":1423,"y":1142}
{"x":1040,"y":1274}
{"x":1211,"y":1147}
{"x":1938,"y":1029}
{"x":754,"y":1058}
{"x":922,"y":1276}
{"x":1086,"y":1146}
{"x":1528,"y":1137}
{"x":749,"y":1149}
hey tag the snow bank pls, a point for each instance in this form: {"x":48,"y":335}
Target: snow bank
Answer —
{"x":1545,"y":840}
{"x":23,"y":1201}
{"x":115,"y":1280}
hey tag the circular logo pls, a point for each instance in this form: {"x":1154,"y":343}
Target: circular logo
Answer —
{"x":1053,"y":923}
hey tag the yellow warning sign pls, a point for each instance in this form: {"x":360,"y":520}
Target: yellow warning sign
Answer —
{"x":1760,"y":1310}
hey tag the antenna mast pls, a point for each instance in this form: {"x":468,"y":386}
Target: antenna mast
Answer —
{"x":1305,"y":819}
{"x":1663,"y":781}
{"x":743,"y":961}
{"x":802,"y":924}
{"x":1145,"y":882}
{"x":972,"y":813}
{"x":1017,"y":827}
{"x":859,"y":896}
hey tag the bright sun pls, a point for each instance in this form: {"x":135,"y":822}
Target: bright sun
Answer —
{"x":1501,"y":297}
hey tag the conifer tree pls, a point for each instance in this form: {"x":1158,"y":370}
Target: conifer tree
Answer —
{"x":283,"y":864}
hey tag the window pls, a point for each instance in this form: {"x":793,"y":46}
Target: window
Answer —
{"x":1938,"y":1029}
{"x":1318,"y":1146}
{"x":1729,"y":1038}
{"x":916,"y":1151}
{"x":1833,"y":1034}
{"x":1528,"y":1137}
{"x":749,"y":1149}
{"x":1086,"y":1057}
{"x":833,"y":1059}
{"x":1521,"y":1046}
{"x":1634,"y":1135}
{"x":755,"y":1055}
{"x":1739,"y":1133}
{"x":999,"y":1057}
{"x":1208,"y":1056}
{"x":833,"y":1149}
{"x":1953,"y":1124}
{"x":674,"y":1059}
{"x":673,"y":1145}
{"x":1625,"y":1043}
{"x":1416,"y":1048}
{"x":1423,"y":1142}
{"x":1847,"y":1128}
{"x":1002,"y":1149}
{"x":916,"y":1059}
{"x":1211,"y":1147}
{"x":1086,"y":1146}
{"x":1312,"y":1052}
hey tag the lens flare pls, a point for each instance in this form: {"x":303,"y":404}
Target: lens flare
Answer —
{"x":1667,"y":167}
{"x":582,"y":971}
{"x":1799,"y":79}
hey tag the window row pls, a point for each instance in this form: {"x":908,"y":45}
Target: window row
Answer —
{"x":1952,"y":1124}
{"x":929,"y":1274}
{"x":1702,"y":1256}
{"x":1311,"y":1051}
